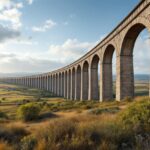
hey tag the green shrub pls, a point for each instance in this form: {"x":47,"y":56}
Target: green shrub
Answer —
{"x":137,"y":115}
{"x":28,"y":143}
{"x":3,"y":115}
{"x":29,"y":112}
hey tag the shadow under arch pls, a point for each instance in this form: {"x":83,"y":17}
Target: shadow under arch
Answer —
{"x":62,"y":84}
{"x":69,"y":85}
{"x":107,"y":73}
{"x":85,"y":81}
{"x":78,"y":83}
{"x":94,"y":95}
{"x":73,"y":84}
{"x":126,"y":60}
{"x":65,"y":83}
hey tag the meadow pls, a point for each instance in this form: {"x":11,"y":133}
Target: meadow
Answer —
{"x":32,"y":119}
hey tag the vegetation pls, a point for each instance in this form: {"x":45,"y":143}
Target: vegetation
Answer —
{"x":28,"y":112}
{"x":54,"y":123}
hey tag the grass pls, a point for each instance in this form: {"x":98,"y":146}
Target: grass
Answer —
{"x":72,"y":125}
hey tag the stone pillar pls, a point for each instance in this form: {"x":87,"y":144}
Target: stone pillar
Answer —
{"x":90,"y":82}
{"x":106,"y":82}
{"x":125,"y":77}
{"x":68,"y":85}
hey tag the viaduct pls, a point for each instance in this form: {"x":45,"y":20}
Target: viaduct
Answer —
{"x":80,"y":80}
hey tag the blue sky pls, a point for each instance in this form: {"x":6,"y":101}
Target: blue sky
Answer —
{"x":43,"y":35}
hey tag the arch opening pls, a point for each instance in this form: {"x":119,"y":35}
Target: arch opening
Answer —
{"x":130,"y":64}
{"x":65,"y":85}
{"x":69,"y":85}
{"x":85,"y":81}
{"x":73,"y":83}
{"x":78,"y":83}
{"x":95,"y":78}
{"x":108,"y":76}
{"x":62,"y":85}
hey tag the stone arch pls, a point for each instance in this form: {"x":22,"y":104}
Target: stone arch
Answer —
{"x":126,"y":59}
{"x":57,"y":83}
{"x":65,"y":83}
{"x":69,"y":84}
{"x":73,"y":83}
{"x":85,"y":80}
{"x":106,"y":73}
{"x":94,"y":77}
{"x":78,"y":83}
{"x":62,"y":85}
{"x":53,"y":83}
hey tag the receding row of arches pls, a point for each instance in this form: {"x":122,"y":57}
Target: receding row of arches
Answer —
{"x":93,"y":78}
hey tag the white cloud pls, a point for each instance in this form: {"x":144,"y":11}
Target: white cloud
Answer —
{"x":47,"y":25}
{"x":10,"y":13}
{"x":30,"y":2}
{"x":142,"y":55}
{"x":62,"y":54}
{"x":70,"y":50}
{"x":8,"y":33}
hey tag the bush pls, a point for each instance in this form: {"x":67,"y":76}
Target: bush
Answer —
{"x":12,"y":134}
{"x":28,"y":143}
{"x":137,"y":115}
{"x":3,"y":115}
{"x":28,"y":112}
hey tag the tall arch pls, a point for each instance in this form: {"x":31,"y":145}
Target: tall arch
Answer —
{"x":78,"y":83}
{"x":53,"y":84}
{"x":125,"y":62}
{"x":65,"y":84}
{"x":94,"y":78}
{"x":62,"y":84}
{"x":69,"y":85}
{"x":106,"y":77}
{"x":73,"y":83}
{"x":85,"y":81}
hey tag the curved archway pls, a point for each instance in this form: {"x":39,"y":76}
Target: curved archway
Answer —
{"x":126,"y":61}
{"x":53,"y":83}
{"x":69,"y":85}
{"x":78,"y":83}
{"x":62,"y":85}
{"x":94,"y":95}
{"x":65,"y":84}
{"x":107,"y":74}
{"x":59,"y":84}
{"x":73,"y":84}
{"x":85,"y":81}
{"x":56,"y":84}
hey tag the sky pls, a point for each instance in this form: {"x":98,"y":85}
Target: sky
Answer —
{"x":44,"y":35}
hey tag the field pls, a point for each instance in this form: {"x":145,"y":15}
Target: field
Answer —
{"x":73,"y":125}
